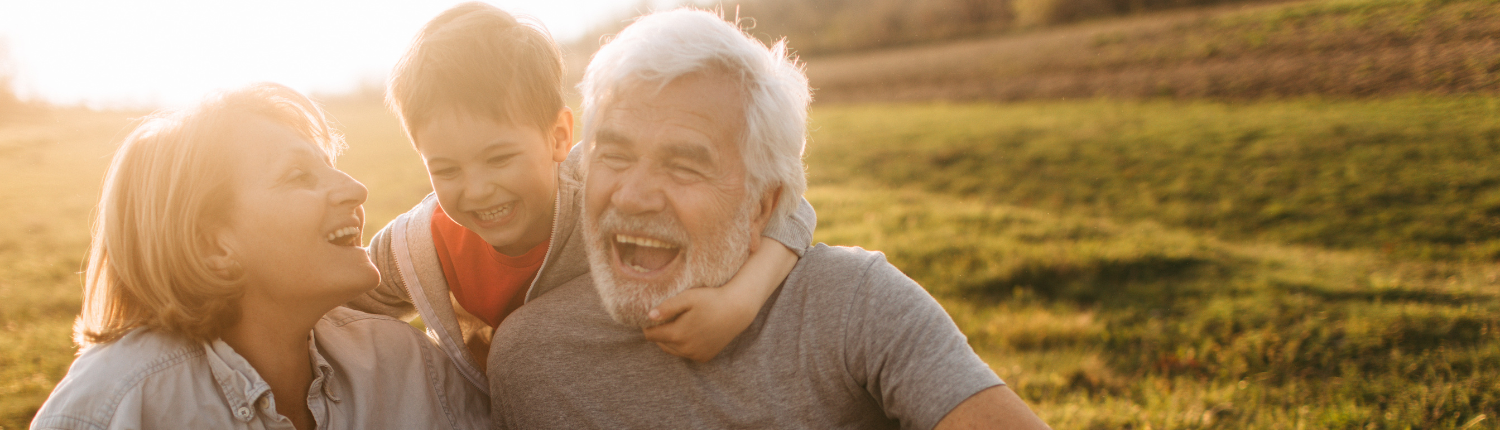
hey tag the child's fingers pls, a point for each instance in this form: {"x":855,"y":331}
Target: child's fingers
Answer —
{"x":667,"y":347}
{"x":674,"y":306}
{"x":665,"y":333}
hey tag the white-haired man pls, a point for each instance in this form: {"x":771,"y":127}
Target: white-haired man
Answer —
{"x":695,"y":135}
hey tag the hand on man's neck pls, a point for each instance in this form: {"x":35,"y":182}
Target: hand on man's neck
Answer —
{"x":273,"y":339}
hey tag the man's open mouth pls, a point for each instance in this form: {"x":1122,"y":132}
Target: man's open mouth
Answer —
{"x":347,"y":236}
{"x":644,"y":254}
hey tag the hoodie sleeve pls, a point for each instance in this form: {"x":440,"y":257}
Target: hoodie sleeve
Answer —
{"x":795,"y":229}
{"x":390,"y":296}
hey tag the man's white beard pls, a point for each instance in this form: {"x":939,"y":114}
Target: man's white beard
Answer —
{"x":707,"y":261}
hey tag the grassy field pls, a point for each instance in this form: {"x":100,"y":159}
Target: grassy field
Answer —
{"x":1032,"y":224}
{"x":1088,"y":251}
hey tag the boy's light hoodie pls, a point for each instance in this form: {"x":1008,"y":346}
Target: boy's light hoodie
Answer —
{"x":412,"y":281}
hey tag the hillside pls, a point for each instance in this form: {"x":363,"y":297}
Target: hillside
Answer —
{"x":1341,"y":48}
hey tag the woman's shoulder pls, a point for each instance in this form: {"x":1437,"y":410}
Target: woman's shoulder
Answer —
{"x":344,"y":329}
{"x":106,"y":375}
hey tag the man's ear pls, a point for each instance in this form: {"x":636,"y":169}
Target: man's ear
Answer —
{"x":562,"y":135}
{"x":764,"y":210}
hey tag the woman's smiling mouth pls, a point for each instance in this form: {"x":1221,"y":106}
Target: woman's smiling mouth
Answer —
{"x":347,"y":236}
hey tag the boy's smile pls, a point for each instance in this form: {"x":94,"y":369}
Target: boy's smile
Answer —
{"x":497,"y":180}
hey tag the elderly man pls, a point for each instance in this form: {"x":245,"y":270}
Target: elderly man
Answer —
{"x":695,"y":135}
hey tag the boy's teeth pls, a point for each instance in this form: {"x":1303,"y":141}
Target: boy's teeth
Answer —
{"x":495,"y":214}
{"x":642,"y":241}
{"x":638,"y":268}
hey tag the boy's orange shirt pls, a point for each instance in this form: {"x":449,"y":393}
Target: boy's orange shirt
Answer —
{"x":485,"y":282}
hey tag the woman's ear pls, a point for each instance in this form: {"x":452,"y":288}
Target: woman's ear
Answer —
{"x":218,"y":253}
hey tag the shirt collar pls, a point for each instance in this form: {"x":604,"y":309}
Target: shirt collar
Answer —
{"x":323,"y":372}
{"x":242,"y":385}
{"x":238,"y":381}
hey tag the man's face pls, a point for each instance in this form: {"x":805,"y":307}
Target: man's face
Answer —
{"x":666,"y":205}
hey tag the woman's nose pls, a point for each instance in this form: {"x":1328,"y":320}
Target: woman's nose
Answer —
{"x":348,"y":191}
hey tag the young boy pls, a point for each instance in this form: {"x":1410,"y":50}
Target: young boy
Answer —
{"x":480,"y":96}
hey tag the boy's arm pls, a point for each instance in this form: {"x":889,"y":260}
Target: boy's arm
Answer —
{"x":700,"y":322}
{"x":388,"y":297}
{"x":795,"y":230}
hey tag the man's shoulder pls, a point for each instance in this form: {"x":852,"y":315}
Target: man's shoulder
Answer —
{"x":845,"y":267}
{"x":571,"y":296}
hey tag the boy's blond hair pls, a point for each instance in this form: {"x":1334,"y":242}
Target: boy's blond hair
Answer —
{"x":168,"y":191}
{"x":478,"y":60}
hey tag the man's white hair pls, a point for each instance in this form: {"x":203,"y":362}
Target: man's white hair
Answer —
{"x":663,"y":46}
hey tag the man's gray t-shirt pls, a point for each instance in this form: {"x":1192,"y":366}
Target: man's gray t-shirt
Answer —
{"x":848,"y":341}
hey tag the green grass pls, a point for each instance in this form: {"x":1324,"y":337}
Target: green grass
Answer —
{"x":53,"y":165}
{"x":1101,"y":324}
{"x":1084,"y":248}
{"x":1411,"y":176}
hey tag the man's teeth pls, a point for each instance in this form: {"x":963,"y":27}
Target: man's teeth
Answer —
{"x":643,"y":241}
{"x":495,"y":214}
{"x":343,"y":232}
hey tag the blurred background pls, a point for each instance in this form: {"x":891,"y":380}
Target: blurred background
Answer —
{"x":1143,"y":213}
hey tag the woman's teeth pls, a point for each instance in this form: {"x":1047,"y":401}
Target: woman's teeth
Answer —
{"x":344,"y":236}
{"x":494,"y":214}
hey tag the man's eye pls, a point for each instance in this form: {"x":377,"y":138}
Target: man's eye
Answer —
{"x":685,"y":173}
{"x":614,"y":161}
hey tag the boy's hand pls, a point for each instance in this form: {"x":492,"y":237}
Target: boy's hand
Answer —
{"x":700,"y":322}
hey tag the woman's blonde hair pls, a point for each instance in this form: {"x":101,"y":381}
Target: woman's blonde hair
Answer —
{"x":167,"y":193}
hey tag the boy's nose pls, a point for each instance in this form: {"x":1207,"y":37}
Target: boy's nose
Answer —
{"x":477,"y":188}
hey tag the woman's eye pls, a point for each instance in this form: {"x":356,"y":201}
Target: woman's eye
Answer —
{"x":303,"y":177}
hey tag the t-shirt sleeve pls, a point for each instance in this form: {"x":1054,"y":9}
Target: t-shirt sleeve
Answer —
{"x":907,"y":352}
{"x":795,"y":229}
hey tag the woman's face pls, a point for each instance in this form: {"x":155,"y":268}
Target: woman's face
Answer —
{"x":295,"y":222}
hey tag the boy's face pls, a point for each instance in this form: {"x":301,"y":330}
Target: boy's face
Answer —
{"x":497,"y":180}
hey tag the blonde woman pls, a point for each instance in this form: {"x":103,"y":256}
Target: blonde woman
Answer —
{"x":224,"y":243}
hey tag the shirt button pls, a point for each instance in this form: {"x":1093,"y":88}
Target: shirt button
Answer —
{"x":242,"y":412}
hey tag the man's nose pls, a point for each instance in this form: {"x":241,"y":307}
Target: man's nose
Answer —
{"x":639,"y":192}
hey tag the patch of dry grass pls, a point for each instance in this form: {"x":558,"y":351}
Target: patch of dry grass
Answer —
{"x":1347,"y":48}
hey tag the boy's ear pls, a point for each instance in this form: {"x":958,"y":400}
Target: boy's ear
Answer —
{"x":562,"y":135}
